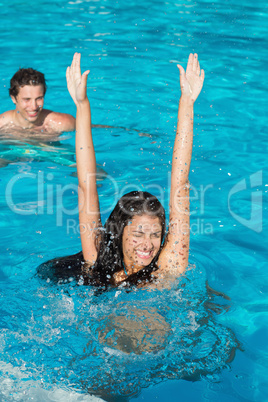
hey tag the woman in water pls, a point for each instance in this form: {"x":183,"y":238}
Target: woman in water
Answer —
{"x":133,"y":247}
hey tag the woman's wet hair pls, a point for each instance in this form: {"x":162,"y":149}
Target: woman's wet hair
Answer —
{"x":26,"y":76}
{"x":109,"y":241}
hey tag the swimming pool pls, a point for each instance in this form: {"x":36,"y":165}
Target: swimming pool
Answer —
{"x":50,"y":336}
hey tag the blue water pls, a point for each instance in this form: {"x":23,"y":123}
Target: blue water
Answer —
{"x":50,"y":337}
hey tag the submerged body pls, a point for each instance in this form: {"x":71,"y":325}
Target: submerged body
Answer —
{"x":107,"y":341}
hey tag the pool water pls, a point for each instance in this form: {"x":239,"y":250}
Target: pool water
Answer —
{"x":185,"y":343}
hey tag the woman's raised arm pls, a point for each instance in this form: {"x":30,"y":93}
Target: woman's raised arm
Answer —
{"x":88,"y":200}
{"x":174,"y":255}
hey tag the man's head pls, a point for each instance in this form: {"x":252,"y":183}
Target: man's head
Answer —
{"x":27,"y":91}
{"x":26,"y":76}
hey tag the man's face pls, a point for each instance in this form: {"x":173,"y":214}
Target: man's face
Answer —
{"x":29,"y":103}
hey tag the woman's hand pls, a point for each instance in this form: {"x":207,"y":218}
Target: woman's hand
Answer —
{"x":192,"y":81}
{"x":77,"y":83}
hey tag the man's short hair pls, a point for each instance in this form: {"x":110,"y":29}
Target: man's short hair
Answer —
{"x":26,"y":76}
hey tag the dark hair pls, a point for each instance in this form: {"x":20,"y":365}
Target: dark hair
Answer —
{"x":109,"y":245}
{"x":26,"y":76}
{"x":109,"y":242}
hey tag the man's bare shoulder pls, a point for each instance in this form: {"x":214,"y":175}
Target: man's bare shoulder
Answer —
{"x":59,"y":122}
{"x":6,"y":118}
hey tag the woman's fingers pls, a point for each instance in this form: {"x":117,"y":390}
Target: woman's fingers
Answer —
{"x":198,"y":68}
{"x":74,"y":72}
{"x":182,"y":75}
{"x":202,"y":75}
{"x":182,"y":72}
{"x":84,"y":78}
{"x":75,"y":66}
{"x":192,"y":80}
{"x":68,"y":76}
{"x":77,"y":83}
{"x":190,"y":63}
{"x":73,"y":62}
{"x":195,"y":62}
{"x":77,"y":59}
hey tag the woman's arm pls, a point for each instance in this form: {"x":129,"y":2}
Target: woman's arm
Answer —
{"x":88,"y":200}
{"x":174,"y":255}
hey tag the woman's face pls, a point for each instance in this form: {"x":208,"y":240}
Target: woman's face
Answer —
{"x":141,"y":241}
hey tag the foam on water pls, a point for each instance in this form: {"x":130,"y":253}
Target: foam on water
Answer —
{"x":17,"y":385}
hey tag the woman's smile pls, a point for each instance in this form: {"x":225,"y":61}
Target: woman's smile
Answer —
{"x":144,"y":254}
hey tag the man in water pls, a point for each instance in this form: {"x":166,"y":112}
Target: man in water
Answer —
{"x":27,"y":91}
{"x":28,"y":119}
